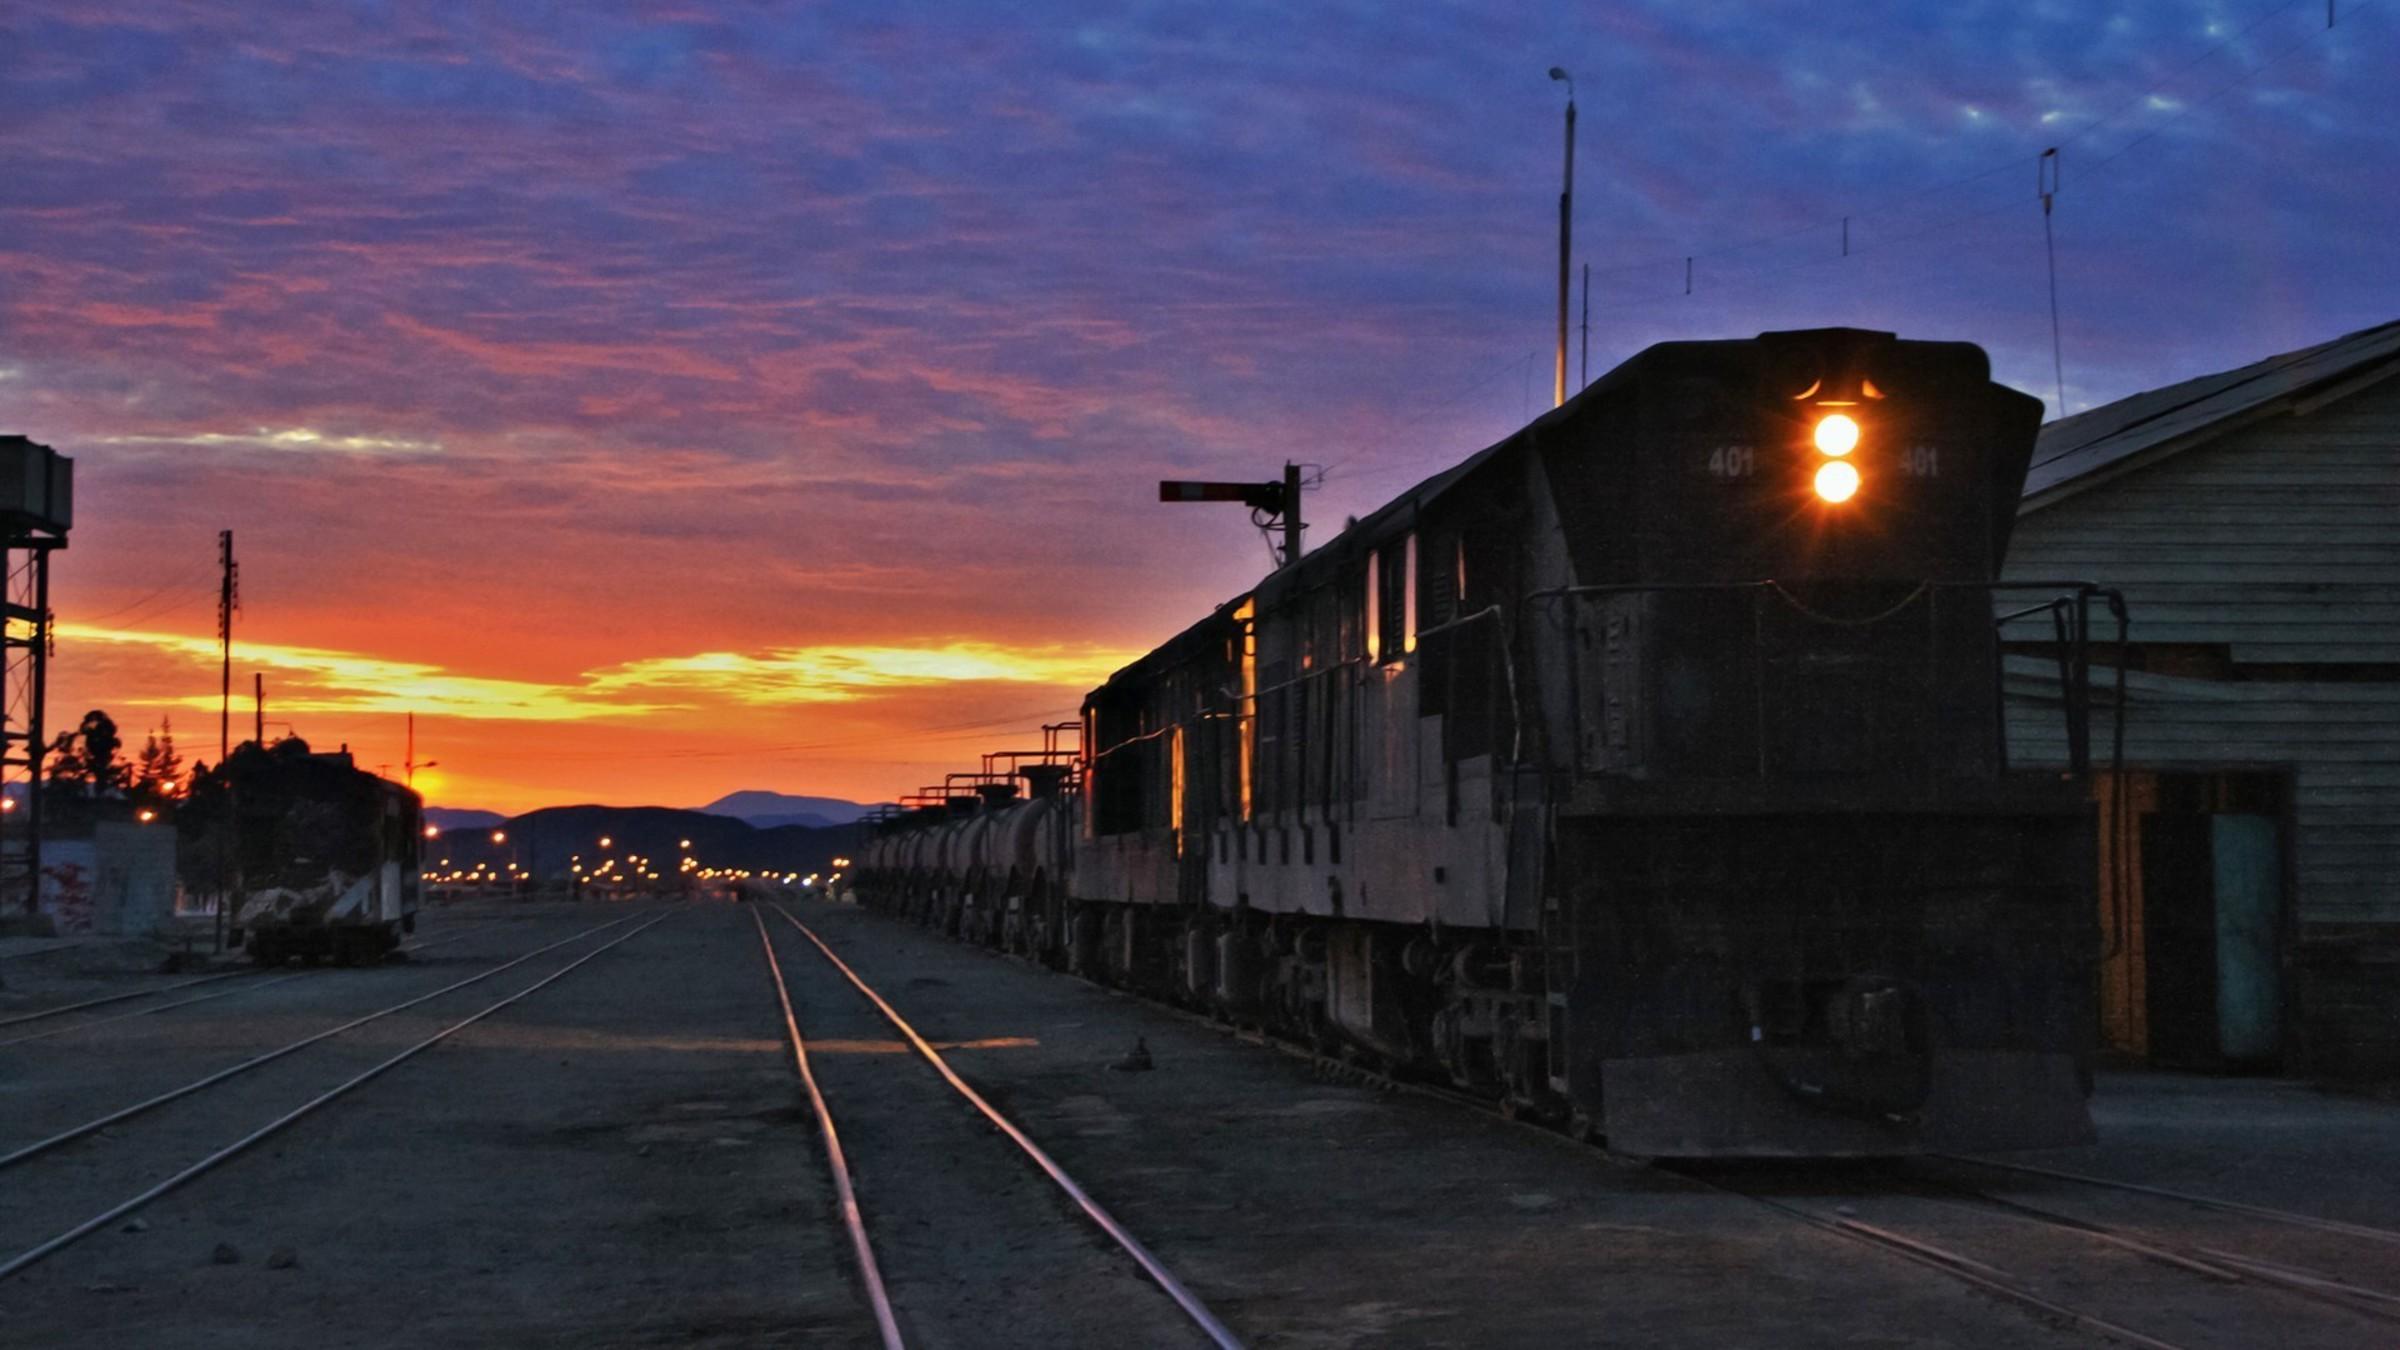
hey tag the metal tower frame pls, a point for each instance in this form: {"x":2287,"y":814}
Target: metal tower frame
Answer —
{"x":36,"y":506}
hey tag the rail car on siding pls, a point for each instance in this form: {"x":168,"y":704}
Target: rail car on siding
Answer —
{"x":322,"y":861}
{"x":1645,"y":770}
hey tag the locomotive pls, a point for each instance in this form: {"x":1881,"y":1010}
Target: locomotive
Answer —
{"x":318,"y":856}
{"x":1645,"y":771}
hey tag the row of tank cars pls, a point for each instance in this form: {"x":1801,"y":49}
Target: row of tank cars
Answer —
{"x":1646,"y":770}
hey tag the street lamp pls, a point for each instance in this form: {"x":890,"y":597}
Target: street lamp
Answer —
{"x":1566,"y":210}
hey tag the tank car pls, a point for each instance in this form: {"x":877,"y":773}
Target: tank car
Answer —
{"x":322,"y":857}
{"x":1645,"y":770}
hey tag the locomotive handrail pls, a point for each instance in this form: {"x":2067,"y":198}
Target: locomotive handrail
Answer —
{"x":2074,"y":648}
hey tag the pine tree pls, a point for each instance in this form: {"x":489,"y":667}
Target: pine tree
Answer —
{"x":158,"y":773}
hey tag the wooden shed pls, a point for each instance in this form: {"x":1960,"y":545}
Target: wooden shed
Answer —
{"x":2251,"y":869}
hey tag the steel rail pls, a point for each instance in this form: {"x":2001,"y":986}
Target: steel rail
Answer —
{"x":73,"y":1133}
{"x":1961,"y":1267}
{"x":2356,"y":1230}
{"x":251,"y":988}
{"x":66,"y":1008}
{"x":63,"y":1009}
{"x":1185,"y":1299}
{"x":887,"y":1323}
{"x":99,"y":1221}
{"x":2209,"y":1262}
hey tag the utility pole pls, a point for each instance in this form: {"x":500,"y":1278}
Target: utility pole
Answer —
{"x":229,"y":598}
{"x":1277,"y":502}
{"x":1291,"y":513}
{"x":1566,"y":216}
{"x":1587,"y":327}
{"x":258,"y":709}
{"x":410,"y":765}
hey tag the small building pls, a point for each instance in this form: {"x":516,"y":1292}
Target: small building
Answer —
{"x":2250,"y":850}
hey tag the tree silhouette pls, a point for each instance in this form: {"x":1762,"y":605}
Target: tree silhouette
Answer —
{"x":158,"y":770}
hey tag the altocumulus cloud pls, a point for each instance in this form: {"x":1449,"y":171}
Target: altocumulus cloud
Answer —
{"x":286,"y":438}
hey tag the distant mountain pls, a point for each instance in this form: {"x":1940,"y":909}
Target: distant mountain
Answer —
{"x":807,"y":820}
{"x":461,"y":818}
{"x":552,"y":840}
{"x":767,"y":810}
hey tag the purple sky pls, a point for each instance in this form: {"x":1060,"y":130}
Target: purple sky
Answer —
{"x":529,"y":345}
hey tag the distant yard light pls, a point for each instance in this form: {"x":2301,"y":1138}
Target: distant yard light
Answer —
{"x":499,"y":836}
{"x":433,"y":831}
{"x":145,"y":815}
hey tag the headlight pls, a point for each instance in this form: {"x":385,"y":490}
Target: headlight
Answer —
{"x":1837,"y":435}
{"x":1837,"y":481}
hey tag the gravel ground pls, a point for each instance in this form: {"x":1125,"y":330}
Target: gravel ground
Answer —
{"x":618,"y":1160}
{"x":625,"y":1159}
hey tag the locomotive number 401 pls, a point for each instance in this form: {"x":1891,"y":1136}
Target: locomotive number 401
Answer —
{"x":1732,"y":461}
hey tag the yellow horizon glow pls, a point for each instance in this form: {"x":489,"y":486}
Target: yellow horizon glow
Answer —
{"x":349,"y":682}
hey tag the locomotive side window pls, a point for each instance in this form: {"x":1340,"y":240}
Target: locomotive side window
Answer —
{"x":1374,"y":607}
{"x":1392,"y":601}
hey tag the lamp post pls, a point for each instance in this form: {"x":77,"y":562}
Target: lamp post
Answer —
{"x":1566,"y":211}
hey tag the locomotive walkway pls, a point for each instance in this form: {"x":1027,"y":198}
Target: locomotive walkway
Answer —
{"x":624,"y":1155}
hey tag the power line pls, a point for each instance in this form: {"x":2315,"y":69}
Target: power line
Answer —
{"x":191,"y":578}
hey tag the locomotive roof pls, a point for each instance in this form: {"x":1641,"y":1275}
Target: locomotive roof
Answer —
{"x":1400,"y":513}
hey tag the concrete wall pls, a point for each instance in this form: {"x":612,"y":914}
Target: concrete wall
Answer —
{"x":118,"y":883}
{"x":133,"y":893}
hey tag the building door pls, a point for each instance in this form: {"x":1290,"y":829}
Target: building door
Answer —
{"x":2211,"y":936}
{"x":2248,"y":870}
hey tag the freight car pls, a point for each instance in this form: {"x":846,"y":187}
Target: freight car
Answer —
{"x":1645,"y":770}
{"x":321,"y":861}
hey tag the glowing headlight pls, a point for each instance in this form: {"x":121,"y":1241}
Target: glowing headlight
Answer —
{"x":1837,"y":481}
{"x":1837,"y":435}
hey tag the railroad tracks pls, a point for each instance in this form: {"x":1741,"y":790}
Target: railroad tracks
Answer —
{"x":2165,"y":1287}
{"x":888,"y":1316}
{"x":217,"y":1157}
{"x":2166,"y":1283}
{"x":250,"y":982}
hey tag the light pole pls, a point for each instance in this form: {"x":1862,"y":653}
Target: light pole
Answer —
{"x":1566,"y":211}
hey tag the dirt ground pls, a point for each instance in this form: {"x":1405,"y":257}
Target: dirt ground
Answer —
{"x":625,"y":1159}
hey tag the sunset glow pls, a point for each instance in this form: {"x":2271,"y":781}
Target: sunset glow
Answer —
{"x":661,"y":401}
